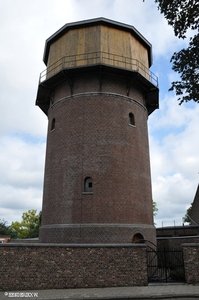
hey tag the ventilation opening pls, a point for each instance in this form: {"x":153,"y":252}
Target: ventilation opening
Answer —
{"x":131,"y":119}
{"x":52,"y":124}
{"x":138,"y":239}
{"x":88,"y":185}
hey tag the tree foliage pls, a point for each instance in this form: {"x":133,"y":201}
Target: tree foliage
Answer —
{"x":155,"y":209}
{"x":186,"y":218}
{"x":183,"y":15}
{"x":6,"y":230}
{"x":29,"y":226}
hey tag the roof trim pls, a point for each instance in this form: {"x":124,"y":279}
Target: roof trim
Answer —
{"x":91,"y":22}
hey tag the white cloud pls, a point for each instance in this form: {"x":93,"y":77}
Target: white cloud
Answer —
{"x":173,"y":195}
{"x":174,"y":158}
{"x":22,"y":161}
{"x":21,"y":180}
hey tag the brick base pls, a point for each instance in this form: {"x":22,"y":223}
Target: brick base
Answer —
{"x":95,"y":233}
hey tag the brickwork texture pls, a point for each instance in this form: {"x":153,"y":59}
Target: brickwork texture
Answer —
{"x":191,"y":262}
{"x":93,"y":138}
{"x":178,"y":231}
{"x":44,"y":266}
{"x":176,"y":242}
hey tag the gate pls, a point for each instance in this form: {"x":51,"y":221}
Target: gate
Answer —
{"x":165,"y":265}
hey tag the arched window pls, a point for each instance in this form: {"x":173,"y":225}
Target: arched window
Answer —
{"x":138,"y":238}
{"x":131,"y":119}
{"x":88,"y":185}
{"x":52,"y":124}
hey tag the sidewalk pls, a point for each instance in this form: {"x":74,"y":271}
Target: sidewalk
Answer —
{"x":175,"y":291}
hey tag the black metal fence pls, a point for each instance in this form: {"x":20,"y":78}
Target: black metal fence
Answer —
{"x":165,"y":265}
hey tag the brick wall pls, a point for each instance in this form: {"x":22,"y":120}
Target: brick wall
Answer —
{"x":191,"y":262}
{"x":172,"y":231}
{"x":99,"y":234}
{"x":47,"y":266}
{"x":176,"y":242}
{"x":19,"y":241}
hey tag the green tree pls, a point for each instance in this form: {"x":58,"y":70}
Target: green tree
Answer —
{"x":3,"y":227}
{"x":29,"y":226}
{"x":6,"y":230}
{"x":183,"y":15}
{"x":155,"y":209}
{"x":186,"y":218}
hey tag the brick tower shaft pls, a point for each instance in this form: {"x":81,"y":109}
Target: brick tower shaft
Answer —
{"x":97,"y":92}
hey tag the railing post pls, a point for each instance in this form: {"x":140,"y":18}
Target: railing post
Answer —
{"x":63,"y":63}
{"x":165,"y":264}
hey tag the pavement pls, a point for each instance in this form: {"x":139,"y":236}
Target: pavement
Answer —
{"x":164,"y":291}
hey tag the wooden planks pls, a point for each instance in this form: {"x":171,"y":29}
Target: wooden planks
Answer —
{"x":82,"y":46}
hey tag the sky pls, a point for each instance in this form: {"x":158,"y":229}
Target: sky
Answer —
{"x":173,"y":129}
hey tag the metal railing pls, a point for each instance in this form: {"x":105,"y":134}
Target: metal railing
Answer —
{"x":165,"y":265}
{"x":93,"y":58}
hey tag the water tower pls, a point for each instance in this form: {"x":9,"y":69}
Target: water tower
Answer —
{"x":97,"y":93}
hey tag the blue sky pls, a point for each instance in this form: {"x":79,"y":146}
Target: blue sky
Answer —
{"x":173,"y":129}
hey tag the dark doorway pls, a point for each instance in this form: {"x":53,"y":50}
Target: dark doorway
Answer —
{"x":138,"y":238}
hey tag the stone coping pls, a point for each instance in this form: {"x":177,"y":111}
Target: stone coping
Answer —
{"x":73,"y":245}
{"x":177,"y":237}
{"x":190,"y":245}
{"x":98,"y":225}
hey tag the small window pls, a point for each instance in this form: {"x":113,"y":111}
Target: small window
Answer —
{"x":88,"y":185}
{"x":52,"y":124}
{"x":131,"y":119}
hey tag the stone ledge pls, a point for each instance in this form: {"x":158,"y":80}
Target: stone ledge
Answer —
{"x":190,"y":245}
{"x":73,"y":245}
